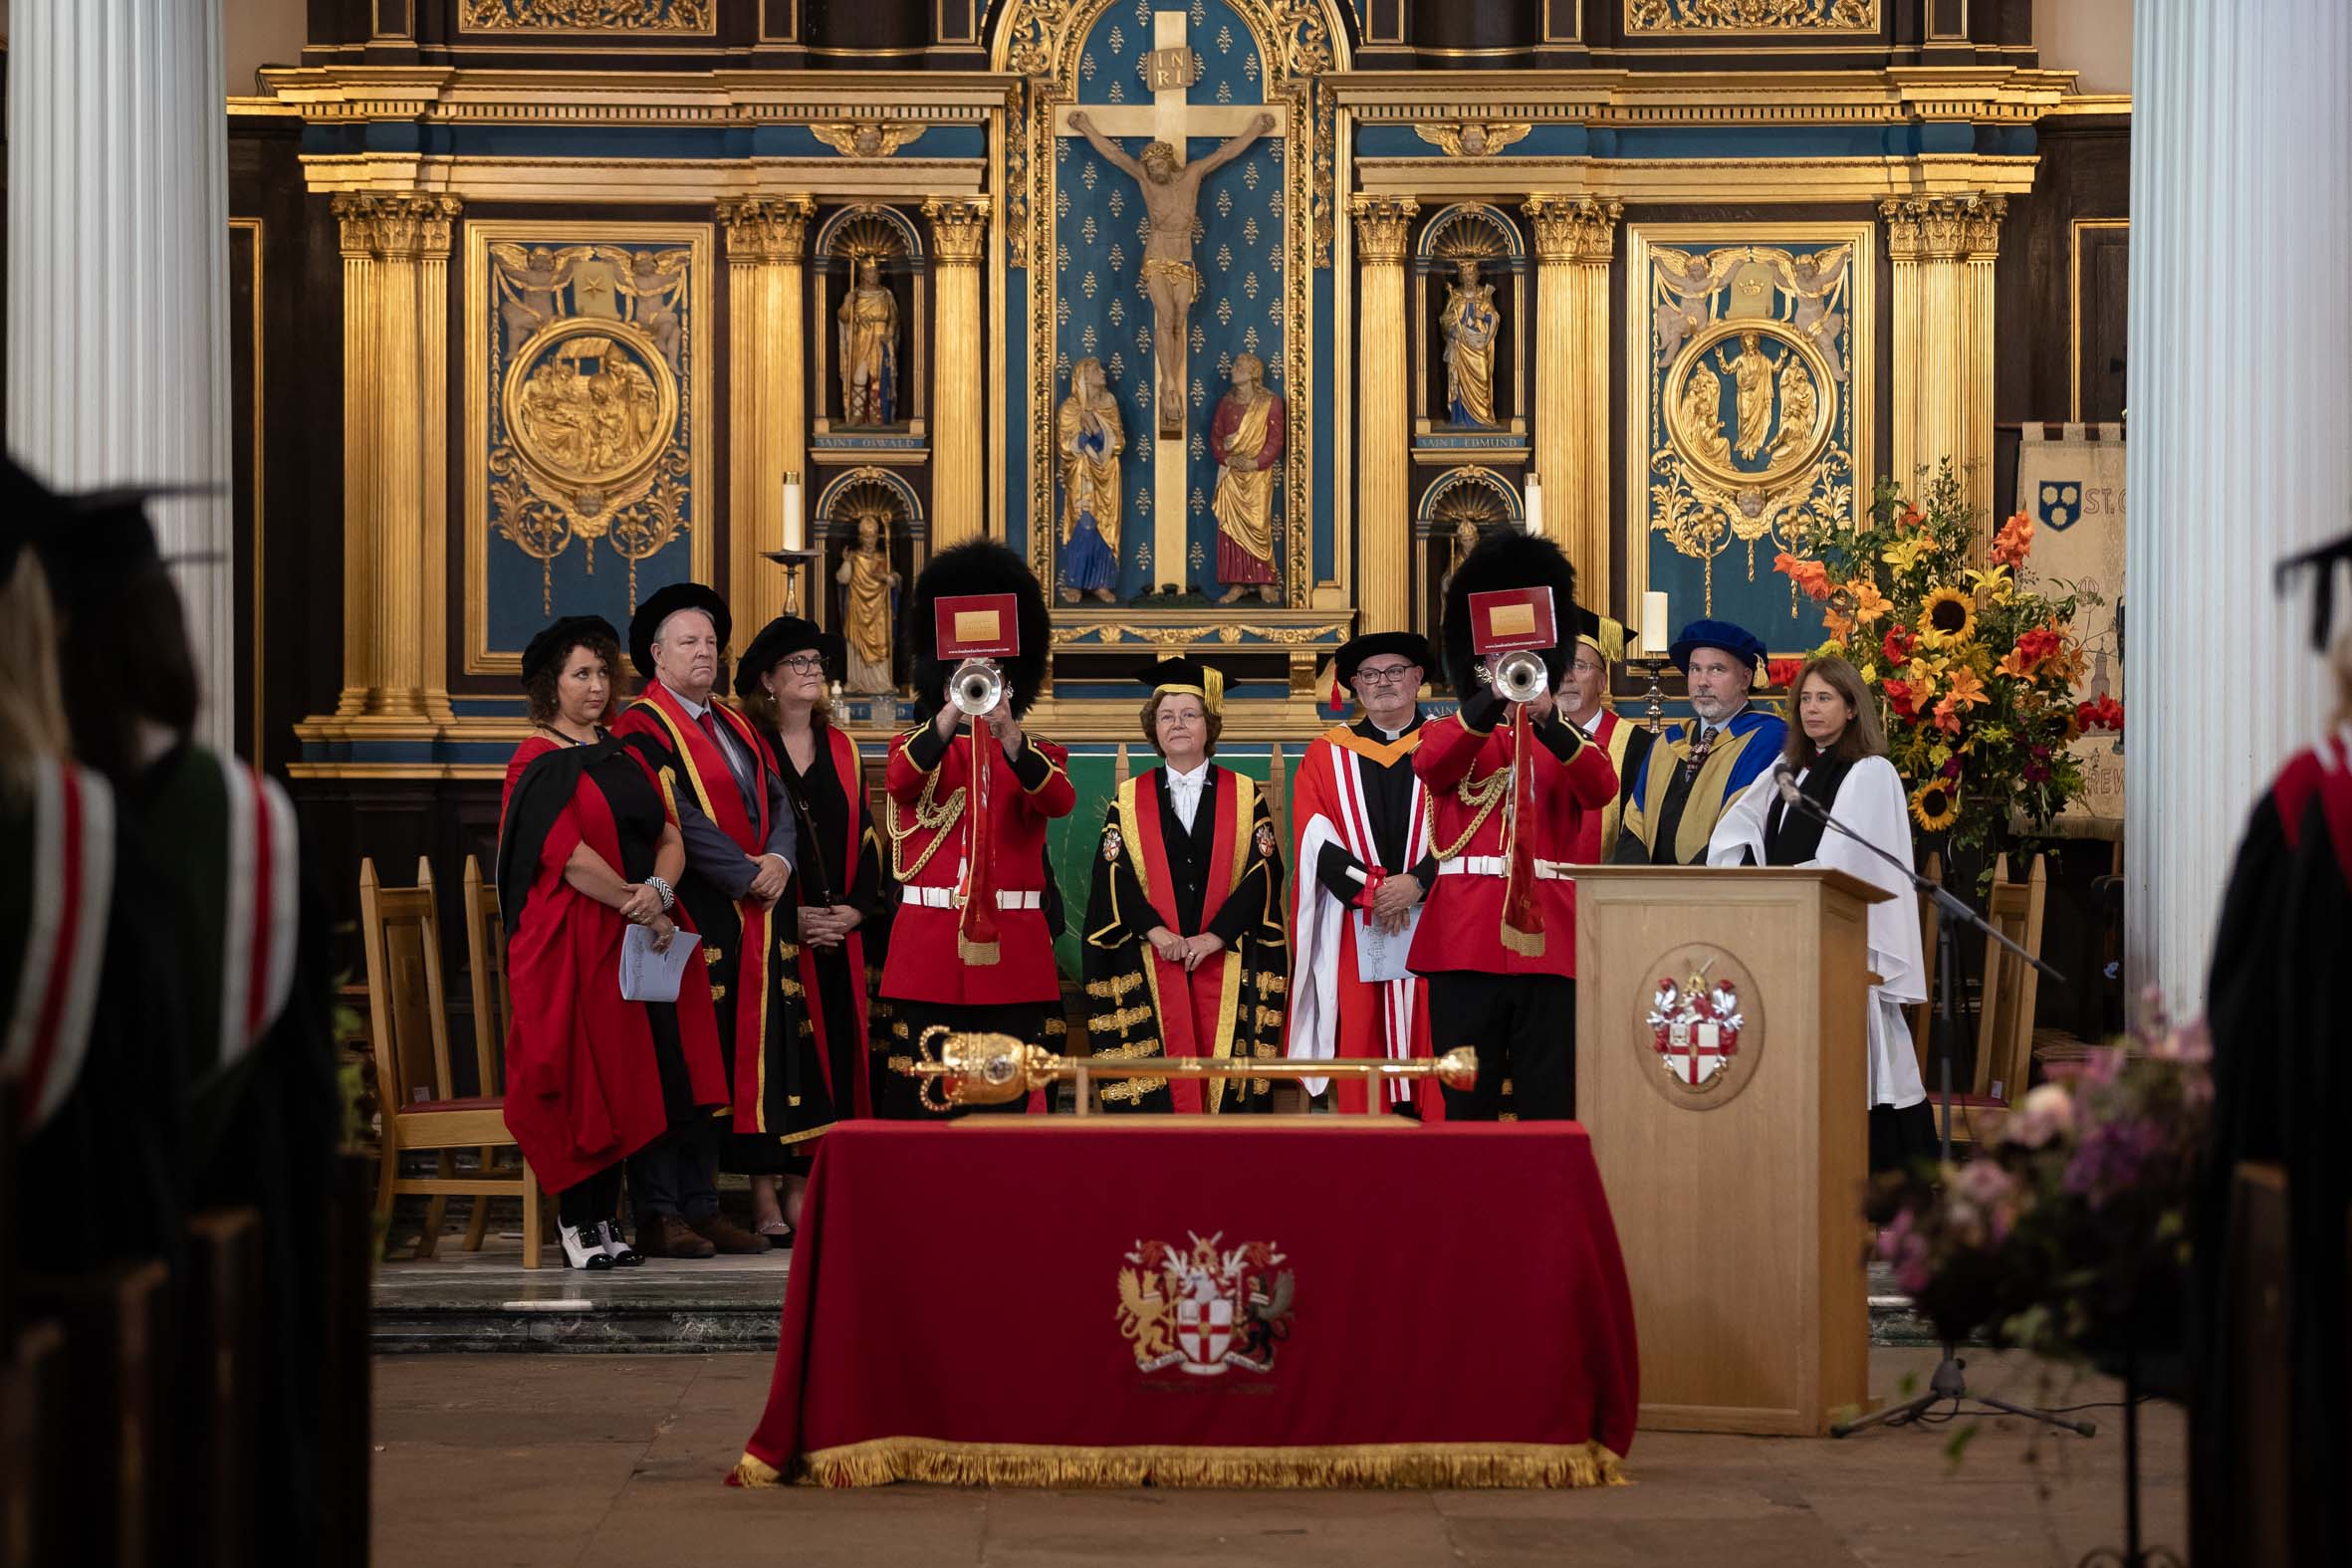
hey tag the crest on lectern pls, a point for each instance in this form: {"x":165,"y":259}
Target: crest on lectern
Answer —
{"x":1700,"y":1029}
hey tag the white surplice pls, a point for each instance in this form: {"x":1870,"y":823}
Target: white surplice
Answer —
{"x":1871,"y":802}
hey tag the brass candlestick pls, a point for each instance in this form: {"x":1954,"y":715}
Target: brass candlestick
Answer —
{"x":793,"y":561}
{"x":1655,"y":713}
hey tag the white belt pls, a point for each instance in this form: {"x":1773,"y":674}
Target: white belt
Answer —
{"x":1492,"y":865}
{"x":945,"y":898}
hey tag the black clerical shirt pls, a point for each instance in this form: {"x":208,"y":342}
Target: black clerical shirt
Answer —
{"x":1388,"y":801}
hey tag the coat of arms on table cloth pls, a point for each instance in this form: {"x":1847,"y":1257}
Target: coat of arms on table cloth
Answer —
{"x":1696,"y":1028}
{"x":1205,"y":1310}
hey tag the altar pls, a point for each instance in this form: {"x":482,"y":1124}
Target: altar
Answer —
{"x":1061,"y":1304}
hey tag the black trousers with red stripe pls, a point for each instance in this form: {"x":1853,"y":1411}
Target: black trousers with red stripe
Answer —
{"x":1524,"y":1028}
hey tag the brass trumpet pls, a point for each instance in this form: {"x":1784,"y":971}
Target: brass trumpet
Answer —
{"x":991,"y":1069}
{"x":1520,"y":677}
{"x":976,"y":687}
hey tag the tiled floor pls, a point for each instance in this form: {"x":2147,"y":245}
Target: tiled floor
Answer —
{"x":617,"y":1459}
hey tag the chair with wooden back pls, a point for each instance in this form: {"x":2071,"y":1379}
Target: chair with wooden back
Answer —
{"x":1923,"y":1017}
{"x":485,"y":949}
{"x":400,"y":930}
{"x":2005,"y":1006}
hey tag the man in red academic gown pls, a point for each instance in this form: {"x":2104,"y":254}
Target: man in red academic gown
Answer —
{"x":1513,"y":793}
{"x":967,"y":808}
{"x":1360,"y":846}
{"x":1583,"y":697}
{"x":722,"y":784}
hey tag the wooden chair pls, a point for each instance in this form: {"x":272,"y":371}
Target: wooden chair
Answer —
{"x":1923,"y":1017}
{"x":400,"y":929}
{"x":485,"y":950}
{"x":2004,"y":1006}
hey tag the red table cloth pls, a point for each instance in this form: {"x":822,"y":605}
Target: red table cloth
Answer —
{"x":1185,"y":1303}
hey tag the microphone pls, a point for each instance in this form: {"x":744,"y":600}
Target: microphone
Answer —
{"x":1785,"y":781}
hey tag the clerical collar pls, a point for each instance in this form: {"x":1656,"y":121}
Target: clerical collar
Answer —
{"x":1367,"y":729}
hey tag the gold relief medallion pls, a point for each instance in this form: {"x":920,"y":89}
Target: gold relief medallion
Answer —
{"x":1750,"y":405}
{"x":1701,"y":1032}
{"x":590,"y":404}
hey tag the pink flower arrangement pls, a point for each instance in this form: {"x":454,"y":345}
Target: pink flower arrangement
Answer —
{"x":2067,"y":1232}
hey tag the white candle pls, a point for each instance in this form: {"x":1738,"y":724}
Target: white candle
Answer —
{"x":1655,"y":630}
{"x":795,"y":535}
{"x":1535,"y":504}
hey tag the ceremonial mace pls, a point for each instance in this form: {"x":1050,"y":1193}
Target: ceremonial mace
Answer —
{"x":991,"y":1069}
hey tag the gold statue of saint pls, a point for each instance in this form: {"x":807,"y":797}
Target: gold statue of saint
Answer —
{"x":1751,"y":376}
{"x":1468,"y":323}
{"x":1702,"y":415}
{"x":1246,"y":438}
{"x":1171,"y":194}
{"x":1798,"y":400}
{"x":870,"y":348}
{"x":1090,"y":438}
{"x":867,"y":584}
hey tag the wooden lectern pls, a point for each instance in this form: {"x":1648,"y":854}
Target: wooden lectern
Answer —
{"x":1720,"y":1038}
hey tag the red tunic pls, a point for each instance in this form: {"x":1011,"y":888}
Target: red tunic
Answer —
{"x":583,"y":1086}
{"x":923,"y":965}
{"x":1462,"y":917}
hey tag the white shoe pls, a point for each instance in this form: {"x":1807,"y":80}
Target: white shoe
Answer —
{"x":585,"y":1249}
{"x":622,"y":1254}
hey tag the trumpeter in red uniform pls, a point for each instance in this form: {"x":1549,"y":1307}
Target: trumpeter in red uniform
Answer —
{"x":1511,"y":792}
{"x":968,"y":801}
{"x":1359,"y":821}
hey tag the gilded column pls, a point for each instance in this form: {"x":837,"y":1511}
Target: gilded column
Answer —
{"x":959,"y":450}
{"x":1942,"y":249}
{"x":396,"y":476}
{"x":768,"y":426}
{"x":1384,"y":442}
{"x":1576,"y":237}
{"x":117,"y":309}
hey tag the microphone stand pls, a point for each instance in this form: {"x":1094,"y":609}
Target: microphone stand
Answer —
{"x":1950,"y":1379}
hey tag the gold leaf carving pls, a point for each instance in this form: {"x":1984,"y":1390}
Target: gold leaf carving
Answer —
{"x":1751,"y":16}
{"x":1472,"y":139}
{"x":866,"y":139}
{"x":586,"y":16}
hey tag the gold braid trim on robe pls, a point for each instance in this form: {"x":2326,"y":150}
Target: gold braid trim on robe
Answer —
{"x":1409,"y":1466}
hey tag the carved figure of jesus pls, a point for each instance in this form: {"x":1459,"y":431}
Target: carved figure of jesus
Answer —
{"x":1752,"y":378}
{"x":1171,"y":196}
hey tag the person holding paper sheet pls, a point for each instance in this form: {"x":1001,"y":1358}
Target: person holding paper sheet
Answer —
{"x":1184,"y":951}
{"x":585,"y":850}
{"x":1359,"y":823}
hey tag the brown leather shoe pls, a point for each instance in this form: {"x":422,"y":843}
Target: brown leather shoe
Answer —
{"x":728,"y":1236}
{"x":668,"y":1236}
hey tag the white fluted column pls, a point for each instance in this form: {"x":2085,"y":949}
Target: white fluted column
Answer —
{"x":2239,"y":399}
{"x":118,"y":278}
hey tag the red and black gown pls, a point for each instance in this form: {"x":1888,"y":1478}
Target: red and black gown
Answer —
{"x":840,"y":864}
{"x":590,"y":1078}
{"x":1223,"y":877}
{"x":2281,"y":1077}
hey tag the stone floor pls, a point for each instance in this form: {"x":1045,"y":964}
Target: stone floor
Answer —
{"x":615,"y":1460}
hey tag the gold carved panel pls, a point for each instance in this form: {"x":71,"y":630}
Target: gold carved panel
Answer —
{"x":1670,"y":17}
{"x":692,"y":17}
{"x":587,"y":363}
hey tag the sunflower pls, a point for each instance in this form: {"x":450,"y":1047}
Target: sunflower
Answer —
{"x":1948,"y":617}
{"x":1935,"y":806}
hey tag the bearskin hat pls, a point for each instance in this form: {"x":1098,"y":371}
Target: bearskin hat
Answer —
{"x":1509,"y":558}
{"x":979,"y":565}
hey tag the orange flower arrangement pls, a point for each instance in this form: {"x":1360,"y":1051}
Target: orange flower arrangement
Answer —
{"x":1976,"y":664}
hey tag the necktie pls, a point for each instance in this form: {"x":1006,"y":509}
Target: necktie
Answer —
{"x":1705,"y":744}
{"x":743,"y":787}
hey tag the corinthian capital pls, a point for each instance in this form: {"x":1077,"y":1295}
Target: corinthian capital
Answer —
{"x":767,"y":228}
{"x":396,"y":225}
{"x":1383,"y":227}
{"x":1943,"y":228}
{"x":959,"y":230}
{"x":1573,"y":228}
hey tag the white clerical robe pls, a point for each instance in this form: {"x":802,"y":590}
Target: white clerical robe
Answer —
{"x":1872,"y":803}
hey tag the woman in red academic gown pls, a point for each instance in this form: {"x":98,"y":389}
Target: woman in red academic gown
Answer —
{"x":584,"y":850}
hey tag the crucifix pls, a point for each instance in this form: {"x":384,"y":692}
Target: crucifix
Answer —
{"x":1171,"y":192}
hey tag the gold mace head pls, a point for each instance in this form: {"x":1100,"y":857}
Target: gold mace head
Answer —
{"x":1458,"y":1068}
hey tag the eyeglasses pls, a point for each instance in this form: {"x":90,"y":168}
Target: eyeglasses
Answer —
{"x":804,"y":663}
{"x":1388,"y":675}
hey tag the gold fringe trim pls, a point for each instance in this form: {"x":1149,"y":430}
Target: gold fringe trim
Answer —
{"x":980,"y":953}
{"x":750,"y":1471}
{"x":1527,"y":944}
{"x":1407,"y":1465}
